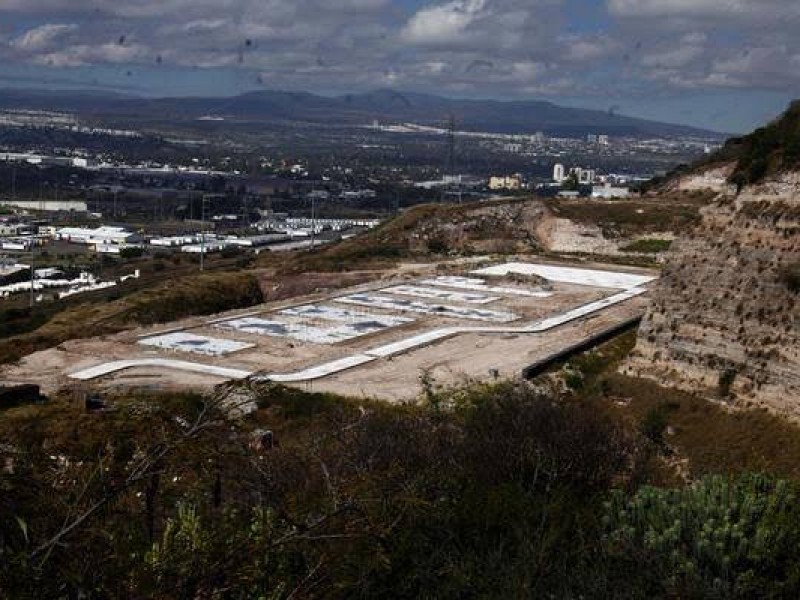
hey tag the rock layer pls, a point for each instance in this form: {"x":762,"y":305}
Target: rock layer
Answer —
{"x":725,"y":316}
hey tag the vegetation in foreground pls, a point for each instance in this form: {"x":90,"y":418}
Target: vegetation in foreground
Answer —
{"x":501,"y":491}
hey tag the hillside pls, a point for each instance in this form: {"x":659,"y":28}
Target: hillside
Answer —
{"x":637,"y":230}
{"x":502,"y":226}
{"x":745,"y":160}
{"x":725,"y":318}
{"x":355,"y":109}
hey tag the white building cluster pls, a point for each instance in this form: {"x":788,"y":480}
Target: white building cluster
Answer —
{"x":584,"y":176}
{"x":98,"y":236}
{"x":609,"y":192}
{"x":505,"y":182}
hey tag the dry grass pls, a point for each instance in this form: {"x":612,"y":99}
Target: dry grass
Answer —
{"x":172,"y":299}
{"x":631,"y":218}
{"x":423,"y":231}
{"x":714,"y":438}
{"x":709,"y":437}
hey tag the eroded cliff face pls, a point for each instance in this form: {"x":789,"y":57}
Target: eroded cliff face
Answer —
{"x":715,"y":179}
{"x":725,"y":317}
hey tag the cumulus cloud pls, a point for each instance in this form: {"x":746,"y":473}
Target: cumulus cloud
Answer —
{"x":443,"y":24}
{"x":44,"y":37}
{"x":475,"y":47}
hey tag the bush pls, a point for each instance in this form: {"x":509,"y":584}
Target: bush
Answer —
{"x":131,"y":252}
{"x":231,"y":252}
{"x":726,"y":379}
{"x":654,"y":423}
{"x":437,"y":246}
{"x":790,"y":276}
{"x":718,"y":538}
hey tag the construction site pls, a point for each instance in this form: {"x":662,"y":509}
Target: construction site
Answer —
{"x":448,"y":322}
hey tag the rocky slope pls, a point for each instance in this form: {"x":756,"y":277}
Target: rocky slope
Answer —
{"x":725,"y":317}
{"x":524,"y":225}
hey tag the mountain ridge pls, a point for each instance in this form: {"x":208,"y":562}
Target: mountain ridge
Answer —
{"x":495,"y":116}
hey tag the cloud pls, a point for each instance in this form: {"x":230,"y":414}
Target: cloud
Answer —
{"x":506,"y":48}
{"x":758,"y":10}
{"x":445,"y":23}
{"x":44,"y":37}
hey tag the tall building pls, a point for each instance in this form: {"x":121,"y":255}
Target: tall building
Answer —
{"x":558,"y":173}
{"x":602,"y":139}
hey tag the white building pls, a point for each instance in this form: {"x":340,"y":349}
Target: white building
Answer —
{"x":558,"y":173}
{"x":16,"y":244}
{"x":506,"y":182}
{"x":82,"y":162}
{"x":173,"y":241}
{"x":206,"y":248}
{"x":13,"y":228}
{"x":586,"y":176}
{"x":98,"y":236}
{"x":608,"y":192}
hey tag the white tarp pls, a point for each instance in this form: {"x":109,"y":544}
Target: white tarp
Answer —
{"x":442,"y":310}
{"x":592,"y":277}
{"x":199,"y":344}
{"x":357,"y":326}
{"x":479,"y":285}
{"x":432,"y":293}
{"x":342,"y":314}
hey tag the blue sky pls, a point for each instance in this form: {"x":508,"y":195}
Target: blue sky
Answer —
{"x":728,"y":65}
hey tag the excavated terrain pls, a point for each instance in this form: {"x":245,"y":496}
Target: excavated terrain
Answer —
{"x":725,"y":317}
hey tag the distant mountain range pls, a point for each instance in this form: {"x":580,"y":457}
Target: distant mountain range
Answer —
{"x":387,"y":106}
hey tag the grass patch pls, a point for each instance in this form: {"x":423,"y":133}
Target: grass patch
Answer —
{"x":631,"y":218}
{"x":583,"y":371}
{"x":712,"y":438}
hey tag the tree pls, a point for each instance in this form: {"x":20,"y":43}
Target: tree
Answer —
{"x":571,"y":183}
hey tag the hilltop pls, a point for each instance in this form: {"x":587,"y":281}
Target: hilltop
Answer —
{"x":743,"y":160}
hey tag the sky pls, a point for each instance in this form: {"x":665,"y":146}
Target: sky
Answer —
{"x":728,"y":65}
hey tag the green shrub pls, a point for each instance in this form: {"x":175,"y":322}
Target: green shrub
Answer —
{"x":131,"y":252}
{"x":654,"y":423}
{"x":717,"y":538}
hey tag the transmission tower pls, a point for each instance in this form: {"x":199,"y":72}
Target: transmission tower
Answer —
{"x":451,"y":158}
